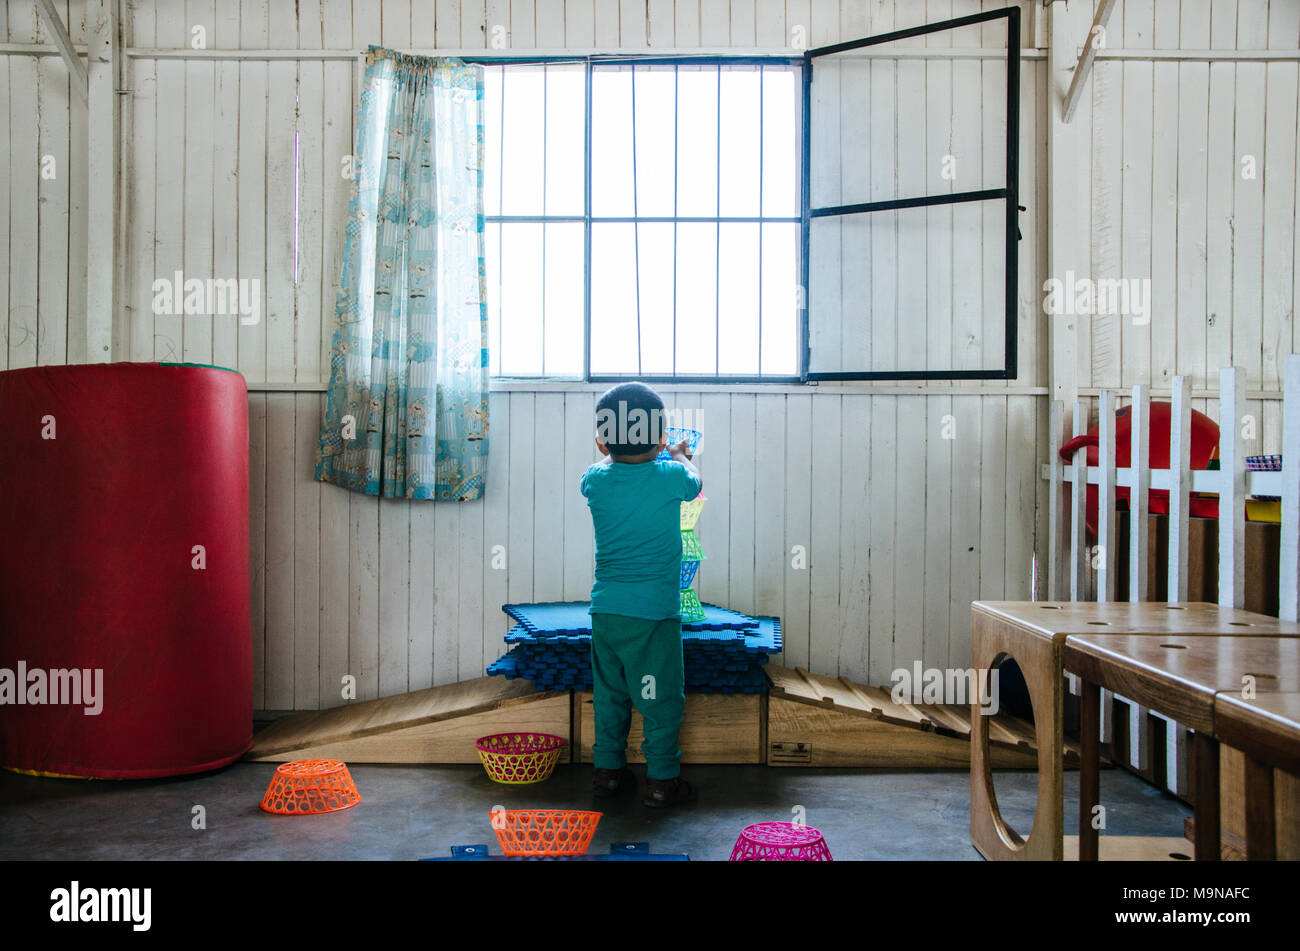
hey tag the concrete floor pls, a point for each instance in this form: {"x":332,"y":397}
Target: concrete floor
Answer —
{"x":411,"y":812}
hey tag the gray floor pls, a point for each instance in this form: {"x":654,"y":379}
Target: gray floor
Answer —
{"x":416,"y":812}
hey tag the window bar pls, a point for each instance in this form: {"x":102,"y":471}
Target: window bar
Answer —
{"x":546,"y":103}
{"x":636,"y":232}
{"x":586,"y":251}
{"x":805,"y":203}
{"x":762,"y":76}
{"x":717,"y":232}
{"x":1011,"y":279}
{"x":501,"y":229}
{"x":676,"y":210}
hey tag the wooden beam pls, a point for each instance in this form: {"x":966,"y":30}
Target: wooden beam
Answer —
{"x":103,"y":163}
{"x":1069,"y":211}
{"x":63,"y":43}
{"x":1086,"y":58}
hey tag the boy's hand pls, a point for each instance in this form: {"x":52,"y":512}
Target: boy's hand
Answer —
{"x":681,"y":450}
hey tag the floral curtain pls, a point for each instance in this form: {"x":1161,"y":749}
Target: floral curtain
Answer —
{"x":407,"y":410}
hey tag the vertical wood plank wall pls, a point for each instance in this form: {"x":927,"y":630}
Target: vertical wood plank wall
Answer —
{"x":901,"y":527}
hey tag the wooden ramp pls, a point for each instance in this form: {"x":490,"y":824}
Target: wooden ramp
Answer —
{"x":437,"y":725}
{"x":821,"y":721}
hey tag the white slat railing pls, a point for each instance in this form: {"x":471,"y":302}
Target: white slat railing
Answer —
{"x":1070,"y":560}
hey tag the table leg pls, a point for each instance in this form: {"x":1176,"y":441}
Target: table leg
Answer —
{"x":1208,"y":847}
{"x":1089,"y":768}
{"x":1261,"y":831}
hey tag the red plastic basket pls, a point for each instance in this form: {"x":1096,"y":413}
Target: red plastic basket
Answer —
{"x":544,"y":831}
{"x":517,"y":759}
{"x":309,"y":787}
{"x":780,"y":842}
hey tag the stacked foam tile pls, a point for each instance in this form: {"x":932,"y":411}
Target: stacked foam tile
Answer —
{"x":550,"y":645}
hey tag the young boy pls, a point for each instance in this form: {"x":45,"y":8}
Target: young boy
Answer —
{"x":636,"y":628}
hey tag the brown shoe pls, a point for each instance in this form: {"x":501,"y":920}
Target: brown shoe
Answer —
{"x":611,"y":782}
{"x":662,"y":793}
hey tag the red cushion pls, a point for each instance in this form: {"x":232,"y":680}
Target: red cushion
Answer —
{"x":147,"y":462}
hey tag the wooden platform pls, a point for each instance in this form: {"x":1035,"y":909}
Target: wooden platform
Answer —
{"x":717,"y":728}
{"x":437,"y":725}
{"x":820,"y":721}
{"x":1134,"y":848}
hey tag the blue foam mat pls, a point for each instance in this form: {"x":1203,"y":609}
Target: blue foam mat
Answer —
{"x":763,"y":636}
{"x":718,"y":659}
{"x":574,"y":617}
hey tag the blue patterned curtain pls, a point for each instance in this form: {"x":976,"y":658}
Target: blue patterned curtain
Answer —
{"x":407,"y":411}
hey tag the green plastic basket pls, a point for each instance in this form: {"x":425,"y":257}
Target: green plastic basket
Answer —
{"x":691,"y":550}
{"x":691,"y":608}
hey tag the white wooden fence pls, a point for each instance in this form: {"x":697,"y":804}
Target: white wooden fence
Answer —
{"x":1070,"y":560}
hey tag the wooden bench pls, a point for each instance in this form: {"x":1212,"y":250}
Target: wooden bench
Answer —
{"x":1267,"y":730}
{"x":1179,"y":676}
{"x":1034,"y":633}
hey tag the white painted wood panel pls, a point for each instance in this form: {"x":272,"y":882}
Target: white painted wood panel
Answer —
{"x":399,"y":595}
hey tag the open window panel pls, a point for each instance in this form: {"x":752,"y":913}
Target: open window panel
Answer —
{"x":910,"y":203}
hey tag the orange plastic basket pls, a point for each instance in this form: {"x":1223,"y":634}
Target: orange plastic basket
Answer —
{"x":517,"y":759}
{"x":309,"y":787}
{"x":544,"y":831}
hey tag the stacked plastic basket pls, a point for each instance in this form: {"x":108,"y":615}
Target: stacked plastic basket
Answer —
{"x":692,"y":554}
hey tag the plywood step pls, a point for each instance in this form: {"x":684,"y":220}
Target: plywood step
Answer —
{"x":838,"y":734}
{"x":437,"y":725}
{"x":716,"y":728}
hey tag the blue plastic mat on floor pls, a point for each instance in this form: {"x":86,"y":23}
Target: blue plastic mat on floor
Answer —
{"x":618,"y":852}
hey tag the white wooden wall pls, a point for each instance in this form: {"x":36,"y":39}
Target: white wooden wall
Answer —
{"x":1220,"y":248}
{"x":42,"y":218}
{"x":902,"y":527}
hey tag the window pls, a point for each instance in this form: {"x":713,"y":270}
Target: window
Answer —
{"x":661,"y":218}
{"x":912,"y":198}
{"x":686,"y":265}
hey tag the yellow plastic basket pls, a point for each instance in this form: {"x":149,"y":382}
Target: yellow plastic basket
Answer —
{"x":517,"y":759}
{"x":691,"y":512}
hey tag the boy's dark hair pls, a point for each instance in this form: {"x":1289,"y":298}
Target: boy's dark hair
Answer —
{"x":630,"y":419}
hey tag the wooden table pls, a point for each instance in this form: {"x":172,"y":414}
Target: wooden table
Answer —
{"x":1267,"y":730}
{"x":1034,"y":633}
{"x":1179,"y":676}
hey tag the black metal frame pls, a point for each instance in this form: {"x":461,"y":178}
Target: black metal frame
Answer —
{"x":1009,"y":193}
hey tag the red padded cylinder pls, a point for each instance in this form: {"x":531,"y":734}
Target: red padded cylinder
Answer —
{"x":98,"y":567}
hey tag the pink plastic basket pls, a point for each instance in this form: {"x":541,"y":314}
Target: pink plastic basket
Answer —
{"x":780,"y":842}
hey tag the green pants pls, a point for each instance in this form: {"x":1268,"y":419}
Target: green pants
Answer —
{"x":637,"y":663}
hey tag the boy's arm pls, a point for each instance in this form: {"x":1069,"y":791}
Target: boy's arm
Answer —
{"x":682,"y":453}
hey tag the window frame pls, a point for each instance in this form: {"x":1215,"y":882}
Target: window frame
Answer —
{"x":590,"y":64}
{"x":1009,"y":193}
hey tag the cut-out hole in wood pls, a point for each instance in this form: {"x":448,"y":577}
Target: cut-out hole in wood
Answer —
{"x":1013,"y":697}
{"x":1175,"y":647}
